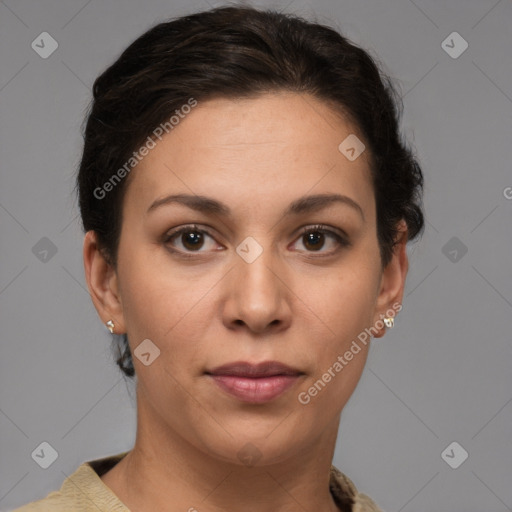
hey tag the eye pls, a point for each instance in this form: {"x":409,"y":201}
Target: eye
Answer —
{"x":188,"y":239}
{"x":314,"y":239}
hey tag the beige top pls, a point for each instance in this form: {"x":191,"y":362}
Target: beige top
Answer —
{"x":84,"y":491}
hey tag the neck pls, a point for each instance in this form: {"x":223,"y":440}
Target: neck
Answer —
{"x":165,"y":471}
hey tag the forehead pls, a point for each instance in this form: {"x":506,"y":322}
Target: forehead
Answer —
{"x":270,"y":148}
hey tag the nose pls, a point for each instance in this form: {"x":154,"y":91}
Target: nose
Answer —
{"x":257,"y":295}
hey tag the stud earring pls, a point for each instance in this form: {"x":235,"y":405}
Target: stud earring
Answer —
{"x":389,"y":321}
{"x":110,"y":326}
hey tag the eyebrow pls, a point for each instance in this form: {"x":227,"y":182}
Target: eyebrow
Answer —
{"x":304,"y":204}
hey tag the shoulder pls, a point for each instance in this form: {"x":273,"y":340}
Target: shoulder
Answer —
{"x":344,"y":489}
{"x":82,"y":491}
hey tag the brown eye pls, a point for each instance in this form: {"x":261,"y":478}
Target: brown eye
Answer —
{"x":189,"y":239}
{"x":192,"y":240}
{"x":315,"y":238}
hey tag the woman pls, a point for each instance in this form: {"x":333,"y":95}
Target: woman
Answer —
{"x":246,"y":200}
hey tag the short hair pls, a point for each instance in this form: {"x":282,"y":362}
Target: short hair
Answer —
{"x":241,"y":52}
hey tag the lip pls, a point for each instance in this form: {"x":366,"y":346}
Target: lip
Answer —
{"x":255,"y":383}
{"x":246,"y":369}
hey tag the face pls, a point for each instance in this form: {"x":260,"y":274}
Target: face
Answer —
{"x":259,"y":273}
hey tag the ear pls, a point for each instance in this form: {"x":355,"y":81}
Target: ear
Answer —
{"x":393,"y":280}
{"x":102,"y":282}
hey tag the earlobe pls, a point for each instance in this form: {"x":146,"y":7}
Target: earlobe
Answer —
{"x":102,"y":283}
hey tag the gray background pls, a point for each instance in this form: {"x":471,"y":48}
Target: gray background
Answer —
{"x":443,"y":374}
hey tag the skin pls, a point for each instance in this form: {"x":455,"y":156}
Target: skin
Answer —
{"x":291,"y":304}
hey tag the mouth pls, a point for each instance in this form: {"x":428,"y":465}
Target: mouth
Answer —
{"x":255,"y":383}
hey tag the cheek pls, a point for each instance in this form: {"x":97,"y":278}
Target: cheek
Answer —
{"x":155,"y":295}
{"x":333,"y":386}
{"x":168,"y":308}
{"x":341,"y":350}
{"x":342,"y":307}
{"x":344,"y":301}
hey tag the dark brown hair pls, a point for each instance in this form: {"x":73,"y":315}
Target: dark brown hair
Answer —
{"x":240,"y":52}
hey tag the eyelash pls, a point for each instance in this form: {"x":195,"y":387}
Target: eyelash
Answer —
{"x":316,"y":228}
